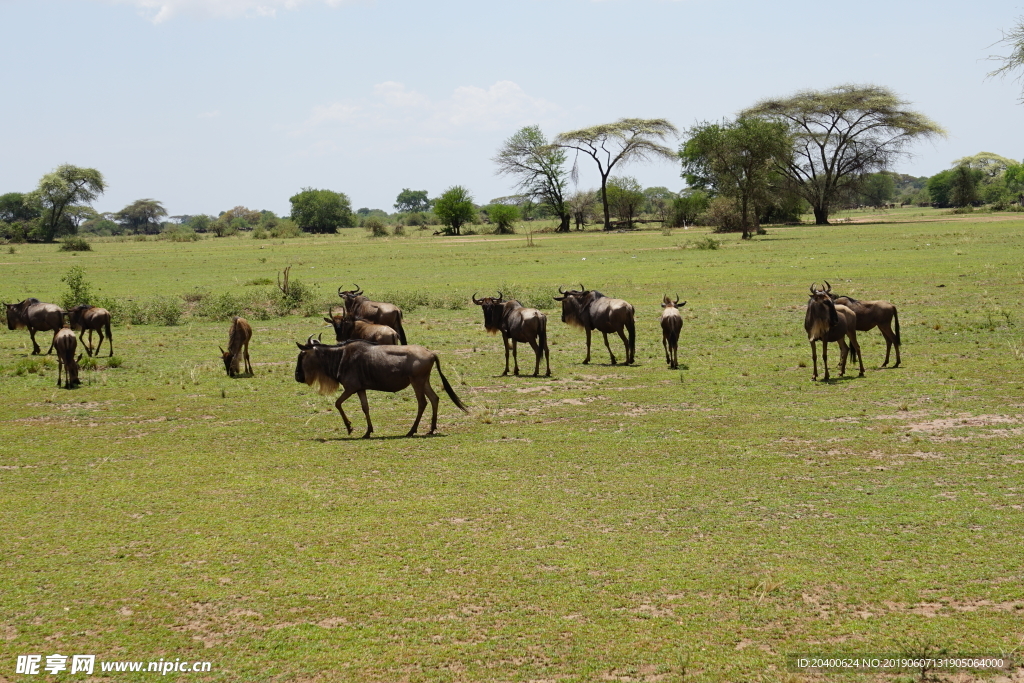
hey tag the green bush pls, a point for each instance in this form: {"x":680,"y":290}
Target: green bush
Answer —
{"x":707,"y":244}
{"x":74,"y":243}
{"x":503,"y":216}
{"x":285,"y":229}
{"x":376,"y":227}
{"x":259,"y":233}
{"x":79,"y":290}
{"x":399,"y":230}
{"x":182,"y":234}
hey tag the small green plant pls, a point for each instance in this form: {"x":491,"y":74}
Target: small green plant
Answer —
{"x":707,"y":244}
{"x":114,"y":362}
{"x":12,"y":250}
{"x":259,"y":281}
{"x":87,"y":363}
{"x":399,"y":230}
{"x":75,"y":243}
{"x":376,"y":227}
{"x":79,"y":290}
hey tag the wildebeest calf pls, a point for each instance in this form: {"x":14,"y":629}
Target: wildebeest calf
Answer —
{"x":66,"y":344}
{"x":349,"y":327}
{"x":671,"y":325}
{"x":37,"y":317}
{"x":239,"y":335}
{"x":361,"y":366}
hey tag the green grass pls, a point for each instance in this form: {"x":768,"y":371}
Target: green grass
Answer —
{"x":627,"y":523}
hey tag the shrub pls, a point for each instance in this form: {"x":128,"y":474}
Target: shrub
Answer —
{"x":285,"y":229}
{"x":259,"y":233}
{"x":14,"y":232}
{"x":399,"y":230}
{"x":504,"y":217}
{"x":415,"y":219}
{"x":75,"y":243}
{"x":79,"y":290}
{"x":376,"y":227}
{"x":722,"y":214}
{"x":182,"y":234}
{"x":114,"y":362}
{"x":707,"y":243}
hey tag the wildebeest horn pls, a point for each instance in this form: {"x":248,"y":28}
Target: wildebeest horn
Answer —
{"x":320,"y":337}
{"x":828,"y":287}
{"x":500,"y":295}
{"x":357,"y":290}
{"x":677,"y":300}
{"x":475,"y":300}
{"x":812,"y":289}
{"x":560,"y":289}
{"x":340,"y":293}
{"x":222,"y":351}
{"x":582,"y":288}
{"x":309,"y":341}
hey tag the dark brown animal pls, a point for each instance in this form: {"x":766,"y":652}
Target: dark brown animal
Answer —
{"x":358,"y":306}
{"x":360,"y":366}
{"x":239,"y":335}
{"x":826,"y":321}
{"x":518,"y":324}
{"x":91,"y":318}
{"x":872,"y":314}
{"x":66,"y":344}
{"x":37,"y":317}
{"x":671,"y":325}
{"x":346,"y":327}
{"x":592,"y":310}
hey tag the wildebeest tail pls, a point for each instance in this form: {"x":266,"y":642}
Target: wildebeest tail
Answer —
{"x":542,"y":333}
{"x":401,"y":334}
{"x":448,"y":387}
{"x":896,"y":321}
{"x":631,"y":328}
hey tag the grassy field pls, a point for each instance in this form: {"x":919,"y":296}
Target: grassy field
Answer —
{"x":607,"y":523}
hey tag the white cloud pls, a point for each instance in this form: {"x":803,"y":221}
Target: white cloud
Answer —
{"x":406,"y":118}
{"x":162,"y":10}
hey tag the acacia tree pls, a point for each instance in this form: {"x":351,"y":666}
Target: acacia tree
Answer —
{"x":142,"y":216}
{"x":412,"y":200}
{"x":611,"y":143}
{"x":321,"y":211}
{"x":454,"y":208}
{"x":840,"y":135}
{"x":538,"y":170}
{"x":1014,"y":38}
{"x":66,"y":186}
{"x":626,"y":197}
{"x":737,"y":160}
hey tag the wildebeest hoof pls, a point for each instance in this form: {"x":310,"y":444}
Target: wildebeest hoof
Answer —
{"x":366,"y":435}
{"x":861,"y":374}
{"x":504,"y":373}
{"x":586,"y":362}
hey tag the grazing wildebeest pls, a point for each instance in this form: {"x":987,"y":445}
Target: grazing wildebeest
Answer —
{"x":871,"y":314}
{"x":826,"y":321}
{"x":86,"y":317}
{"x":358,"y":306}
{"x":347,"y":327}
{"x":359,"y":366}
{"x":671,"y":325}
{"x":518,"y":324}
{"x":239,"y":335}
{"x":37,"y":317}
{"x":66,"y":344}
{"x":592,"y":310}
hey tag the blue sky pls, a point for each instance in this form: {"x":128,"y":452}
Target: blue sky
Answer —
{"x":209,"y":104}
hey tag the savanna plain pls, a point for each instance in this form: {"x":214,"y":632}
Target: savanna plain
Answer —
{"x":605,"y":523}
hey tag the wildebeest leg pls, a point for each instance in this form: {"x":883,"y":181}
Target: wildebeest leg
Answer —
{"x":625,"y":342}
{"x":60,"y":366}
{"x":609,"y":347}
{"x":515,"y":357}
{"x":421,"y":403}
{"x":96,"y":351}
{"x":664,"y":342}
{"x":35,"y":346}
{"x":248,"y":365}
{"x":587,"y":359}
{"x":432,"y":395}
{"x":855,"y":345}
{"x":824,"y":357}
{"x":366,"y":411}
{"x":537,"y":353}
{"x":844,"y":350}
{"x":814,"y":358}
{"x":504,"y":342}
{"x":889,"y":339}
{"x":52,"y":341}
{"x":547,"y":359}
{"x":337,"y":404}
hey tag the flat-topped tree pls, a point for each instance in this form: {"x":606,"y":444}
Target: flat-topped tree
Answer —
{"x":623,"y":141}
{"x":538,"y":170}
{"x":1014,"y":39}
{"x":842,"y":134}
{"x":65,"y":187}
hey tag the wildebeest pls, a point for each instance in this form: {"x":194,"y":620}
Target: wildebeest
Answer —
{"x":358,"y":306}
{"x":86,"y":317}
{"x":518,"y":324}
{"x":826,"y":321}
{"x":871,"y":314}
{"x":37,"y":317}
{"x":347,"y":327}
{"x":66,"y":344}
{"x":239,"y":335}
{"x":671,"y":325}
{"x":592,"y":310}
{"x":359,"y":366}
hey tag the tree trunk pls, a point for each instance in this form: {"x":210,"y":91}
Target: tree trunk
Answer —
{"x":821,"y":215}
{"x":604,"y":203}
{"x":564,"y":225}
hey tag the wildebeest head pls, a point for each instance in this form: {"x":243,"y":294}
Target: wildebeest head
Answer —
{"x":572,"y":305}
{"x":16,"y":313}
{"x":820,"y":309}
{"x":342,"y":325}
{"x":668,"y":303}
{"x":76,"y":314}
{"x":493,"y":308}
{"x":351,"y":297}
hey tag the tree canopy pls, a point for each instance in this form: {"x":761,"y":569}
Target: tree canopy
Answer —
{"x":17,"y":206}
{"x":66,"y":186}
{"x":1014,"y":39}
{"x":142,"y":216}
{"x":624,"y":141}
{"x":321,"y":211}
{"x":840,"y":135}
{"x":454,"y":208}
{"x":538,"y":169}
{"x":412,"y":200}
{"x":737,"y":160}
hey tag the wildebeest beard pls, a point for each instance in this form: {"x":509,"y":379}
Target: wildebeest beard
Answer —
{"x":318,"y":366}
{"x":824,"y":317}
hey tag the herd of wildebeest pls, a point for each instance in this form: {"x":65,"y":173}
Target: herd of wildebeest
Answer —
{"x":371,"y":351}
